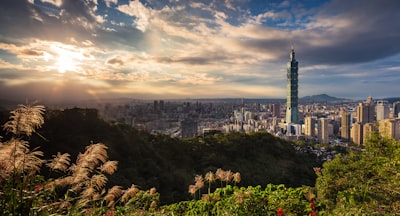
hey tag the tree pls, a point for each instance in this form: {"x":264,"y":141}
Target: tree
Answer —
{"x":362,"y":182}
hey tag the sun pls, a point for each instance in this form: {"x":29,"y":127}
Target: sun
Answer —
{"x":67,"y":58}
{"x":65,"y":63}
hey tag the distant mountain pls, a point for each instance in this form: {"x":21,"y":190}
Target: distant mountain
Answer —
{"x":392,"y":99}
{"x":320,"y":98}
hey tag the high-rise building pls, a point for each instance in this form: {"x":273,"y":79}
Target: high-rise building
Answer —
{"x":292,"y":112}
{"x":309,"y":129}
{"x":389,"y":128}
{"x":370,"y":110}
{"x":366,"y":111}
{"x":361,"y":112}
{"x":357,"y":133}
{"x":323,"y":134}
{"x":345,"y":125}
{"x":382,"y":110}
{"x":396,"y":109}
{"x":275,"y":109}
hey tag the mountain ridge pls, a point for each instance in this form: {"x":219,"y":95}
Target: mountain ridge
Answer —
{"x":321,"y":98}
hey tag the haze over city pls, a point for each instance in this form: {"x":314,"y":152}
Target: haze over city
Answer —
{"x":55,"y":50}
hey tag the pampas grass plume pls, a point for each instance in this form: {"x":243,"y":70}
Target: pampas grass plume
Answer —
{"x":109,"y":167}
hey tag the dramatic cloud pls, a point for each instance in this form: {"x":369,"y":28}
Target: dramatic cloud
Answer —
{"x":209,"y":48}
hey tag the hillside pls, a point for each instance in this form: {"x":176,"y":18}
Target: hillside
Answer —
{"x":169,"y":164}
{"x":320,"y":98}
{"x":357,"y":183}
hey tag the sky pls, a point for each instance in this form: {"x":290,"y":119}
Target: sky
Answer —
{"x":64,"y":50}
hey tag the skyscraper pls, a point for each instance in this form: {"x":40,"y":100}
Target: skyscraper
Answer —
{"x":309,"y":126}
{"x":292,"y":112}
{"x":346,"y":124}
{"x":275,"y":109}
{"x":323,"y":135}
{"x":389,"y":128}
{"x":370,"y":110}
{"x":357,"y":133}
{"x":396,"y":109}
{"x":366,"y":111}
{"x":382,"y":110}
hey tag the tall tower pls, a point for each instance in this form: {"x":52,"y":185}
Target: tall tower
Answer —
{"x":323,"y":135}
{"x":345,"y":125}
{"x":292,"y":112}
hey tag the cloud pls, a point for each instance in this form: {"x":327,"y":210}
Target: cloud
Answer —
{"x":139,"y":11}
{"x":110,"y":2}
{"x":228,"y":4}
{"x":23,"y":51}
{"x":354,"y":32}
{"x":217,"y":46}
{"x":57,"y":3}
{"x":115,"y":61}
{"x":32,"y":52}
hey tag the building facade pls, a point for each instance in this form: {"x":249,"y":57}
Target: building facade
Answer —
{"x":292,"y":112}
{"x":309,"y":126}
{"x":275,"y":109}
{"x":366,"y":111}
{"x":382,"y":110}
{"x":396,"y":109}
{"x":345,"y":125}
{"x":323,"y":133}
{"x":357,"y":133}
{"x":389,"y":128}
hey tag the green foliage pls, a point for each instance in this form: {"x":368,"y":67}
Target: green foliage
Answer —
{"x":357,"y":183}
{"x":143,"y":201}
{"x":169,"y":164}
{"x":245,"y":201}
{"x":362,"y":182}
{"x":79,"y":190}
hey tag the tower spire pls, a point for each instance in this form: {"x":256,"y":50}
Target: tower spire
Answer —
{"x":292,"y":54}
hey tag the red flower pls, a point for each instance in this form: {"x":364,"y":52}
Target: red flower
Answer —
{"x":38,"y":187}
{"x":312,"y":205}
{"x":280,"y":212}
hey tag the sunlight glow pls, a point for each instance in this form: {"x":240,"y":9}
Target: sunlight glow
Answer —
{"x":68,"y":59}
{"x":65,"y":63}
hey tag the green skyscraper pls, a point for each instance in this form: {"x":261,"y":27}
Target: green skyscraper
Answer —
{"x":292,"y":99}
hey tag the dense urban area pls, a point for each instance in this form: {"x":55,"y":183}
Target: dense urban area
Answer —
{"x":323,"y":119}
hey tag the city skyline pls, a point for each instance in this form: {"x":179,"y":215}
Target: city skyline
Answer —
{"x":55,"y":50}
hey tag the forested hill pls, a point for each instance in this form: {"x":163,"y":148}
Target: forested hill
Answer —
{"x":170,"y":164}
